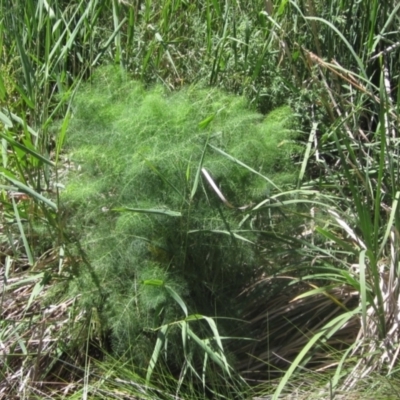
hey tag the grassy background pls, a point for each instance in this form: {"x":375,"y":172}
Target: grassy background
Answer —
{"x":334,"y":66}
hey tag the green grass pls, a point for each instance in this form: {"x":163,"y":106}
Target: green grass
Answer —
{"x":335,"y":65}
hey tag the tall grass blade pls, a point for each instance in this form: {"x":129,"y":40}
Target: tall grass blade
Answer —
{"x":177,"y":298}
{"x":29,"y":191}
{"x":61,"y":136}
{"x":161,"y":337}
{"x":22,"y":122}
{"x":199,"y":168}
{"x":323,"y":334}
{"x":346,"y":42}
{"x":168,"y":213}
{"x":235,"y":160}
{"x":307,"y":153}
{"x":28,"y":251}
{"x":155,"y":169}
{"x":5,"y":120}
{"x":390,"y":223}
{"x":363,"y":291}
{"x":37,"y":289}
{"x":26,"y":149}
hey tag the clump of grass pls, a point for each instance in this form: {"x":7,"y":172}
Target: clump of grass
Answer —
{"x":144,"y":212}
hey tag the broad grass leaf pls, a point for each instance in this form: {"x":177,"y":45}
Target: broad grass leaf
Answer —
{"x":26,"y":189}
{"x":28,"y":251}
{"x":161,"y":337}
{"x":26,"y":149}
{"x":307,"y":153}
{"x":214,"y":355}
{"x":331,"y":236}
{"x":207,"y":121}
{"x":35,"y":292}
{"x":6,"y":121}
{"x":24,"y":281}
{"x":168,"y":213}
{"x":2,"y":90}
{"x":177,"y":298}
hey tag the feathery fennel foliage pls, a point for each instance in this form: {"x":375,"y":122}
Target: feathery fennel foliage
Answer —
{"x":142,"y":149}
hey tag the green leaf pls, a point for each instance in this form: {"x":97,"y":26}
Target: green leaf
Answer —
{"x":35,"y":292}
{"x":161,"y":336}
{"x":329,"y":235}
{"x":2,"y":89}
{"x":6,"y":121}
{"x":235,"y":160}
{"x":21,"y":122}
{"x":198,"y":172}
{"x":345,"y":41}
{"x":61,"y":135}
{"x":153,"y":282}
{"x":24,"y":281}
{"x":307,"y":153}
{"x":177,"y":298}
{"x":217,"y":357}
{"x":389,"y":224}
{"x":26,"y":189}
{"x":363,"y":290}
{"x":22,"y":232}
{"x":25,"y":149}
{"x":207,"y":121}
{"x":169,"y":213}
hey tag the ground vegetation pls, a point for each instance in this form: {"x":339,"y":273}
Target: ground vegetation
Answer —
{"x":199,"y":199}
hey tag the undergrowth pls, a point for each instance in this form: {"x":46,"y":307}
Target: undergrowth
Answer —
{"x":158,"y":234}
{"x":141,"y":203}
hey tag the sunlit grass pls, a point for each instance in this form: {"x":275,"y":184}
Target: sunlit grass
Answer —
{"x":334,"y":63}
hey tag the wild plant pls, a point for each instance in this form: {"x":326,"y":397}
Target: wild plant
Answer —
{"x":159,"y":194}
